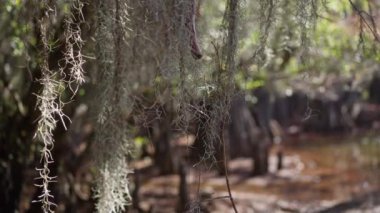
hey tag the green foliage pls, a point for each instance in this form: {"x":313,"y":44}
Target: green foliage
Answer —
{"x":336,"y":44}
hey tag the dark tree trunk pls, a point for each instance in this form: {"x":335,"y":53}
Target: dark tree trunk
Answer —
{"x":183,"y":191}
{"x":11,"y":183}
{"x":279,"y":160}
{"x":374,"y":88}
{"x":135,"y":194}
{"x":243,"y":131}
{"x":246,"y":139}
{"x":163,"y":155}
{"x":262,"y":110}
{"x":260,"y":157}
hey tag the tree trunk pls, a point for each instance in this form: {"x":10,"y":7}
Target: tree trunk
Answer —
{"x":260,"y":158}
{"x":163,"y":156}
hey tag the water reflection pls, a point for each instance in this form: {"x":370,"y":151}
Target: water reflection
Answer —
{"x":319,"y":173}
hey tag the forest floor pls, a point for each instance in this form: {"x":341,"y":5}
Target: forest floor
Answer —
{"x":320,"y":174}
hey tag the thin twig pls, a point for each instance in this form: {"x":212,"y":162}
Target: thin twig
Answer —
{"x":226,"y":169}
{"x":364,"y":20}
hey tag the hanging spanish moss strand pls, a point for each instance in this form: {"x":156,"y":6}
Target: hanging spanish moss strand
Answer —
{"x":74,"y":59}
{"x":219,"y":100}
{"x":220,"y":104}
{"x":267,"y":18}
{"x":48,"y":107}
{"x":307,"y":14}
{"x":185,"y":37}
{"x":49,"y":101}
{"x":229,"y":54}
{"x":112,"y":139}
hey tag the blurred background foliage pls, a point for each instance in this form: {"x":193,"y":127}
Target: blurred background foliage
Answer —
{"x":335,"y":48}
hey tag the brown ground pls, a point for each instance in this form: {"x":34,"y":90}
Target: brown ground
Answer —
{"x":319,"y":173}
